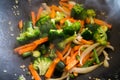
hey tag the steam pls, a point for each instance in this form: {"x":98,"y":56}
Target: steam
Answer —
{"x":114,"y":6}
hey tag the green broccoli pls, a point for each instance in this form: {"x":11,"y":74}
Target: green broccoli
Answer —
{"x":91,"y":14}
{"x":89,"y":31}
{"x":59,"y":16}
{"x":76,"y":11}
{"x":45,"y":24}
{"x":63,"y":43}
{"x":100,"y":36}
{"x":28,"y":33}
{"x":42,"y":64}
{"x":56,"y":35}
{"x":70,"y":28}
{"x":79,"y":12}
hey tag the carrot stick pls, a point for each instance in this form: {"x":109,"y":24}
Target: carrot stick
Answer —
{"x":86,"y":41}
{"x":30,"y":46}
{"x":101,"y":22}
{"x":20,"y":24}
{"x":66,"y":48}
{"x":39,"y":12}
{"x":67,"y":59}
{"x":56,"y":8}
{"x":66,"y":5}
{"x":71,"y":64}
{"x":66,"y":9}
{"x":52,"y":15}
{"x":63,"y":20}
{"x":59,"y":55}
{"x":33,"y":17}
{"x":72,"y":52}
{"x":34,"y":73}
{"x":52,"y":68}
{"x":72,"y":58}
{"x":76,"y":48}
{"x":41,"y":40}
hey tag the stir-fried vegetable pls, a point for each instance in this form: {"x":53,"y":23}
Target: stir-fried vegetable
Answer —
{"x":67,"y":38}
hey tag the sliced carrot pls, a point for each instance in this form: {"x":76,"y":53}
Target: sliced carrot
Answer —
{"x":33,"y":17}
{"x":53,"y":14}
{"x":66,"y":9}
{"x":20,"y":24}
{"x":66,"y":5}
{"x":52,"y":68}
{"x":67,"y":59}
{"x":76,"y":48}
{"x":39,"y":13}
{"x":34,"y":72}
{"x":86,"y":41}
{"x":101,"y":22}
{"x":59,"y":55}
{"x":72,"y":52}
{"x":56,"y":8}
{"x":72,"y":58}
{"x":66,"y":48}
{"x":30,"y":46}
{"x":63,"y":20}
{"x":71,"y":64}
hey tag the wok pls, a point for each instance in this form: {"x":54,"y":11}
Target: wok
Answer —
{"x":10,"y":15}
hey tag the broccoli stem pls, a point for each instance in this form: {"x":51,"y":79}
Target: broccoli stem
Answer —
{"x":62,"y":44}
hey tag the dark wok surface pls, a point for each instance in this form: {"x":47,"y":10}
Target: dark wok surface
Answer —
{"x":10,"y":62}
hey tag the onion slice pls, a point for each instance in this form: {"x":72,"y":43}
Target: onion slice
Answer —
{"x":87,"y":51}
{"x":85,"y":69}
{"x":111,"y":47}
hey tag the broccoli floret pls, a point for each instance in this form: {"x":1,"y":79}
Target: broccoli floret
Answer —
{"x":56,"y":35}
{"x":63,"y":43}
{"x":76,"y":11}
{"x":59,"y":16}
{"x":70,"y":28}
{"x":87,"y":34}
{"x":52,"y":53}
{"x":45,"y":24}
{"x":42,"y":64}
{"x":42,"y":20}
{"x":91,"y":13}
{"x":100,"y":36}
{"x":79,"y":12}
{"x":89,"y":31}
{"x":28,"y":33}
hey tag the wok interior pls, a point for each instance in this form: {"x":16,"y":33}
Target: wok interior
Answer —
{"x":11,"y":62}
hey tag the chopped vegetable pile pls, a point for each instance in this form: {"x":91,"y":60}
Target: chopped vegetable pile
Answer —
{"x":67,"y":38}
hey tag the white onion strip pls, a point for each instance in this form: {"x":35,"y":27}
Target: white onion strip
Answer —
{"x":87,"y":51}
{"x":85,"y":69}
{"x":83,"y":46}
{"x":111,"y":47}
{"x":106,"y":64}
